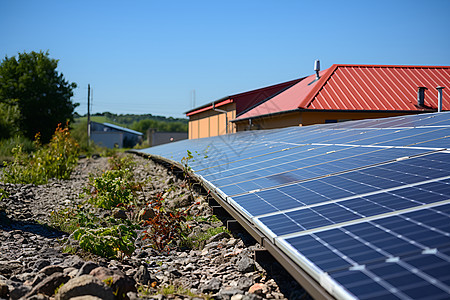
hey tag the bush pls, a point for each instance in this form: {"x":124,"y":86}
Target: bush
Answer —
{"x":55,"y":160}
{"x":7,"y":146}
{"x":113,"y":241}
{"x":113,"y":188}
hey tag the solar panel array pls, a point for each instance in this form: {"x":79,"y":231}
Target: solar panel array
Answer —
{"x":362,"y":206}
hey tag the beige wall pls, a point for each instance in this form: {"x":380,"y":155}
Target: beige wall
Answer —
{"x":212,"y":123}
{"x":309,"y":118}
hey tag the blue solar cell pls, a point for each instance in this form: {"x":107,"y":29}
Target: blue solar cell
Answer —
{"x":304,"y":178}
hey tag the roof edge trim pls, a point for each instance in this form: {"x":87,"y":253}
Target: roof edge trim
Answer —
{"x":210,"y":106}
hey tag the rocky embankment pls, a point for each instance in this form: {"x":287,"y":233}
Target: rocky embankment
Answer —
{"x":35,"y":263}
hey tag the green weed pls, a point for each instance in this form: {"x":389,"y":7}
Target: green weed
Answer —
{"x":113,"y":188}
{"x":114,"y":241}
{"x":55,"y":160}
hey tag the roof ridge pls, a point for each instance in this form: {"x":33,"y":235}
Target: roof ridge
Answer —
{"x":393,"y":66}
{"x":317,"y":87}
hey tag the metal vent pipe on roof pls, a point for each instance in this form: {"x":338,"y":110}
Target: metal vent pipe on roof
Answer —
{"x":317,"y":68}
{"x":421,"y":96}
{"x":440,"y":88}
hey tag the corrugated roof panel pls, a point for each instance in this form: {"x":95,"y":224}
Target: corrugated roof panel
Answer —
{"x":362,"y":87}
{"x":380,"y":88}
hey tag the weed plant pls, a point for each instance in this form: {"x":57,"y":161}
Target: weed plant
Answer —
{"x":166,"y":227}
{"x":55,"y":160}
{"x":112,"y":188}
{"x":113,"y":241}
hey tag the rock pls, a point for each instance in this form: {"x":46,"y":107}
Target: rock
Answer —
{"x":87,"y":267}
{"x":120,"y":283}
{"x":39,"y":297}
{"x":49,"y":270}
{"x":38,"y":278}
{"x":244,"y":283}
{"x":40,"y":264}
{"x":228,"y":292}
{"x":73,"y":261}
{"x":24,"y":276}
{"x":237,"y":297}
{"x":9,"y":268}
{"x":4,"y":290}
{"x":258,"y":288}
{"x":18,"y":291}
{"x":85,"y":285}
{"x":218,"y":237}
{"x":49,"y":284}
{"x":119,"y":214}
{"x":142,"y":275}
{"x":211,"y":286}
{"x":87,"y":297}
{"x":245,"y":264}
{"x":251,"y":297}
{"x":145,"y":214}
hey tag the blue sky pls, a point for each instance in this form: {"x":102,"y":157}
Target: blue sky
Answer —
{"x":148,"y":56}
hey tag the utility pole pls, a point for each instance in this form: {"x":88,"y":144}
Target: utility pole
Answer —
{"x":89,"y":116}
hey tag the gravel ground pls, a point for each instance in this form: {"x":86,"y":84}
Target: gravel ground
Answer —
{"x":33,"y":265}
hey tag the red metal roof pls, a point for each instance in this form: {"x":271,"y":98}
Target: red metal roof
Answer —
{"x":361,"y":87}
{"x":247,"y":99}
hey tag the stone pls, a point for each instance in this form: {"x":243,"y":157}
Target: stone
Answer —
{"x":87,"y":267}
{"x":246,"y":264}
{"x":4,"y":290}
{"x":49,"y":284}
{"x":87,"y":297}
{"x":73,"y":261}
{"x":120,"y":283}
{"x":258,"y":288}
{"x":244,"y":283}
{"x":84,"y":285}
{"x":227,"y":292}
{"x":9,"y":268}
{"x":119,"y":214}
{"x":17,"y":292}
{"x":251,"y":297}
{"x":145,"y":214}
{"x":40,"y":264}
{"x":49,"y":270}
{"x":38,"y":297}
{"x":211,"y":286}
{"x":218,"y":237}
{"x":237,"y":297}
{"x":142,"y":275}
{"x":38,"y":278}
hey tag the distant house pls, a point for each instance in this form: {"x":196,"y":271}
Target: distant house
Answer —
{"x":113,"y":136}
{"x":156,"y":138}
{"x":215,"y":118}
{"x":350,"y":92}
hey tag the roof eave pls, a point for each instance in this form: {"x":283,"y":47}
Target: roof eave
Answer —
{"x":334,"y":110}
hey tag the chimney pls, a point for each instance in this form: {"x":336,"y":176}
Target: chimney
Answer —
{"x":317,"y":68}
{"x":421,"y":96}
{"x":440,"y":88}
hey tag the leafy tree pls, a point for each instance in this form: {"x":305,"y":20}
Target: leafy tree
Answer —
{"x":42,"y":94}
{"x":9,"y":120}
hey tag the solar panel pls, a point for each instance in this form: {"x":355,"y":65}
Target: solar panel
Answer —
{"x":363,"y":207}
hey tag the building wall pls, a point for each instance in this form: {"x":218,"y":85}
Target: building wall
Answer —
{"x":309,"y":118}
{"x":212,"y":123}
{"x":159,"y":138}
{"x":108,"y":139}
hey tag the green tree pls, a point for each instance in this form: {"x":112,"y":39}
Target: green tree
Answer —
{"x":9,"y":120}
{"x":40,"y":91}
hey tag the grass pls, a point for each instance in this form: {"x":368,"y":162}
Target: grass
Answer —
{"x":198,"y":241}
